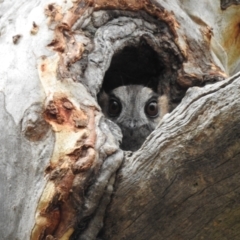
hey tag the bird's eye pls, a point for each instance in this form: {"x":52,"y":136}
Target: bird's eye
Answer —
{"x":151,"y":109}
{"x":114,"y":108}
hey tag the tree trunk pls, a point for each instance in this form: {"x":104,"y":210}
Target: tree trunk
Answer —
{"x":63,"y":175}
{"x":183,"y":183}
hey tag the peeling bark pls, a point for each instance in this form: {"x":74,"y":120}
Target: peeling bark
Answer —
{"x":63,"y":174}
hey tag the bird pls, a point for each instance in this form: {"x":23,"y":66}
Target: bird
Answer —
{"x":136,"y":109}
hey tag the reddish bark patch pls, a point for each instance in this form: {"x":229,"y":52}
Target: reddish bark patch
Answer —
{"x":58,"y":208}
{"x":136,"y":5}
{"x":61,"y":111}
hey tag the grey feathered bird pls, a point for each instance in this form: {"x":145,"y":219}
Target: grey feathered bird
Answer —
{"x":136,"y":109}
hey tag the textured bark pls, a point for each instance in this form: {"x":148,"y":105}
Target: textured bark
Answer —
{"x":63,"y":175}
{"x":184,"y":181}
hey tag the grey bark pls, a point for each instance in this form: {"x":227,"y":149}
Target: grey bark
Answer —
{"x":183,"y":182}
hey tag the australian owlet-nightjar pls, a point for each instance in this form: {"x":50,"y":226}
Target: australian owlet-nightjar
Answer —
{"x":136,"y":109}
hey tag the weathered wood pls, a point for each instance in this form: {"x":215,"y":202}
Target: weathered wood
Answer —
{"x":184,"y":181}
{"x":182,"y":184}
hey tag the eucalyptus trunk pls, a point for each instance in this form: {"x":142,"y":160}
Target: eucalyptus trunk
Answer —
{"x":63,"y":174}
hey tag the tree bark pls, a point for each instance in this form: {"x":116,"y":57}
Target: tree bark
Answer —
{"x":183,"y":182}
{"x":63,"y":175}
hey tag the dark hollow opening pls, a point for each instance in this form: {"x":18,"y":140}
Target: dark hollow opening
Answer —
{"x":131,"y":92}
{"x":134,"y":65}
